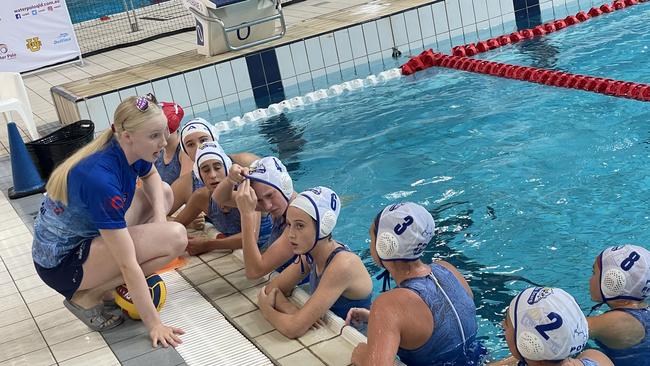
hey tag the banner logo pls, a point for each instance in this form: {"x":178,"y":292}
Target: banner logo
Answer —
{"x":5,"y":53}
{"x":34,"y":44}
{"x":41,"y":32}
{"x":62,"y":38}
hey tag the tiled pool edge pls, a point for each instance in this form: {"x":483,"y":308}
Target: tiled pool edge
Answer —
{"x":218,"y":276}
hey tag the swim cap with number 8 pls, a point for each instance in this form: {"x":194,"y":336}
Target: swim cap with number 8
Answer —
{"x":625,"y":273}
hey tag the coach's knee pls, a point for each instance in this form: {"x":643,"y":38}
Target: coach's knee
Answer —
{"x":168,"y":194}
{"x":177,"y":238}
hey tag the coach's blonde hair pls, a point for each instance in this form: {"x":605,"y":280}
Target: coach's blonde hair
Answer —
{"x":127,"y":118}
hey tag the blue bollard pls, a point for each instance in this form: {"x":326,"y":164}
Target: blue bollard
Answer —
{"x":27,"y":181}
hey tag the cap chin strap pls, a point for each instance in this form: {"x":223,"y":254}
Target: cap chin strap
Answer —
{"x":308,"y":258}
{"x":595,"y":307}
{"x":384,"y":275}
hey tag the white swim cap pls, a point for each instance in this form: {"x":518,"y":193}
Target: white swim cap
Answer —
{"x":549,"y":325}
{"x":403,"y":231}
{"x":271,"y":171}
{"x":625,"y":273}
{"x":323,"y":205}
{"x":210,"y":151}
{"x":197,"y":125}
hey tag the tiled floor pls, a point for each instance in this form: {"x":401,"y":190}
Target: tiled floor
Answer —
{"x":38,"y":330}
{"x":220,"y":277}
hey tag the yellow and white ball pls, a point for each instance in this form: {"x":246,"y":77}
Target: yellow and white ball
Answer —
{"x":158,"y":292}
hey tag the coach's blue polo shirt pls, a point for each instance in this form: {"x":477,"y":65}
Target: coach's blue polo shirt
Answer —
{"x":100,"y":191}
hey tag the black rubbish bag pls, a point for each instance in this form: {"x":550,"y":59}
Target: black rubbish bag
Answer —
{"x":49,"y":151}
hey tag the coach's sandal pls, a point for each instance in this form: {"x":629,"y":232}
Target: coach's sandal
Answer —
{"x":95,"y":318}
{"x":110,"y":305}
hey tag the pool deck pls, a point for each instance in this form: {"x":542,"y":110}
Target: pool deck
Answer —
{"x":104,"y":70}
{"x":210,"y":298}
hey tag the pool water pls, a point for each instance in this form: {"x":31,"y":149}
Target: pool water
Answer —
{"x":526,"y":182}
{"x":82,"y":10}
{"x":610,"y":46}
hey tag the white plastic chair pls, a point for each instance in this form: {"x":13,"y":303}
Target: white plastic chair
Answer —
{"x":13,"y":97}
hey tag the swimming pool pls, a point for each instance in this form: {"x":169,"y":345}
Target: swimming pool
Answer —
{"x":523,"y":180}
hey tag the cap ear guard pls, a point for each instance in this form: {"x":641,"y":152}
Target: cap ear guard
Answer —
{"x":327,"y":223}
{"x":387,"y":245}
{"x":613,"y":282}
{"x":286,"y":185}
{"x":529,"y":344}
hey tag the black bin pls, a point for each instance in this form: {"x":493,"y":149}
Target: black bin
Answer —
{"x":49,"y":151}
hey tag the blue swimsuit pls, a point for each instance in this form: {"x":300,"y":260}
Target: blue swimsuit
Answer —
{"x":229,"y":223}
{"x":445,"y":346}
{"x":342,"y":304}
{"x":266,"y":225}
{"x":169,"y":172}
{"x":196,"y":183}
{"x":588,"y":362}
{"x":638,"y":355}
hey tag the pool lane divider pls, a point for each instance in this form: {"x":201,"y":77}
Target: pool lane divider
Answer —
{"x":560,"y":79}
{"x":472,"y":49}
{"x":314,"y":97}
